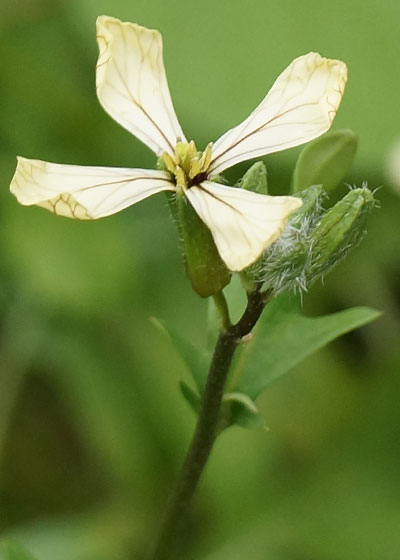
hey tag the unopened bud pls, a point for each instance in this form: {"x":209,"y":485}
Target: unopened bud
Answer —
{"x":285,"y":263}
{"x":325,"y":161}
{"x":311,"y":208}
{"x":340,"y":229}
{"x":313,"y":242}
{"x":255,"y":179}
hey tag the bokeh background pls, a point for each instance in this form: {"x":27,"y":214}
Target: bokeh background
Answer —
{"x":92,"y":425}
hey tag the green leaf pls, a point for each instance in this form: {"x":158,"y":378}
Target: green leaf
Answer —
{"x":283,"y":337}
{"x":11,"y":550}
{"x":191,"y":396}
{"x":325,"y":161}
{"x":197,"y":360}
{"x":237,"y":408}
{"x":240,"y":409}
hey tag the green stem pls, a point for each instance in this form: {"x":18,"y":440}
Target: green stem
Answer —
{"x":222,"y":308}
{"x":206,"y":428}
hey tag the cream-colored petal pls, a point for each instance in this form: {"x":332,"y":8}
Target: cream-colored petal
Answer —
{"x":132,"y":85}
{"x":300,"y":106}
{"x":243,"y":223}
{"x":84,"y":193}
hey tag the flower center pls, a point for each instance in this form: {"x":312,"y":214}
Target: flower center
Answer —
{"x":188,"y":166}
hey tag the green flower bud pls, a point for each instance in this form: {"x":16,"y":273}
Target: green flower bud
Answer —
{"x":313,"y":241}
{"x":325,"y":161}
{"x":311,"y":208}
{"x":205,"y":268}
{"x":255,"y":179}
{"x":285,"y":263}
{"x":340,"y":229}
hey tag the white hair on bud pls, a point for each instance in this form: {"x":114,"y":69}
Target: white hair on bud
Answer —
{"x":290,"y":264}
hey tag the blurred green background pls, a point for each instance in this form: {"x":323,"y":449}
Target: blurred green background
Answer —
{"x":92,"y":426}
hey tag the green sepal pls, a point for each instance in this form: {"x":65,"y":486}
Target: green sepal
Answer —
{"x":340,"y":229}
{"x":285,"y":264}
{"x":325,"y":161}
{"x":160,"y":164}
{"x":204,"y":267}
{"x":311,"y":197}
{"x":255,"y":179}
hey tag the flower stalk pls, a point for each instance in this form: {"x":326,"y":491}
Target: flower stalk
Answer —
{"x":222,"y":310}
{"x":206,"y":429}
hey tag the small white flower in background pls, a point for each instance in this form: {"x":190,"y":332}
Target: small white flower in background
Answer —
{"x":132,"y":87}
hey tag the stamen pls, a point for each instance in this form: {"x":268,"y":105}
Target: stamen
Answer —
{"x":194,"y":168}
{"x":205,"y":159}
{"x":189,"y":166}
{"x":169,"y":162}
{"x":180,"y":176}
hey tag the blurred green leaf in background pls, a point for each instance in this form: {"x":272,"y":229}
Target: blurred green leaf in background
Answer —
{"x":92,"y":423}
{"x":12,"y":551}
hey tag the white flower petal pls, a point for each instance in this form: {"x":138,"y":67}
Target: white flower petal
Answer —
{"x":243,"y":223}
{"x":300,"y":106}
{"x":132,"y":85}
{"x":84,"y":193}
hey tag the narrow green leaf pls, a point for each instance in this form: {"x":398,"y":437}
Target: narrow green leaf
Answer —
{"x":239,"y":409}
{"x":325,"y":161}
{"x":196,"y":359}
{"x":13,"y":551}
{"x":191,"y":396}
{"x":284,"y":337}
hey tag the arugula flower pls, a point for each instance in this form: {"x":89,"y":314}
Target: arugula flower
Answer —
{"x":132,"y":87}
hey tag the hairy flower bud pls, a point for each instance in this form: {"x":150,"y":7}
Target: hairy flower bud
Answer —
{"x":285,"y":263}
{"x":340,"y":229}
{"x":314,"y":241}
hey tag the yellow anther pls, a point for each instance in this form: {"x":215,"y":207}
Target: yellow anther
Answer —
{"x":192,"y":150}
{"x":194,"y":168}
{"x":180,"y":176}
{"x":188,"y":162}
{"x":206,"y":158}
{"x":181,"y":150}
{"x":169,"y":162}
